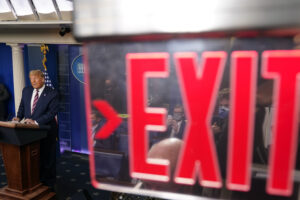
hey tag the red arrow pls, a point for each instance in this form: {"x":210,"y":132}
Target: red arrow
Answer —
{"x":113,"y":120}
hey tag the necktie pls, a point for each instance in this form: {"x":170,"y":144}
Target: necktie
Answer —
{"x":36,"y":98}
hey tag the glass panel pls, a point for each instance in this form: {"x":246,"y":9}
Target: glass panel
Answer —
{"x":44,"y":6}
{"x":4,"y":6}
{"x":22,"y":7}
{"x":65,"y":5}
{"x":118,"y":156}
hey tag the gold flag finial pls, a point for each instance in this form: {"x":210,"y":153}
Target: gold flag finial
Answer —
{"x":44,"y":49}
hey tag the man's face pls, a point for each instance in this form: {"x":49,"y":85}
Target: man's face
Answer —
{"x":223,"y":108}
{"x":224,"y":102}
{"x":36,"y":81}
{"x":178,"y":114}
{"x":94,"y":118}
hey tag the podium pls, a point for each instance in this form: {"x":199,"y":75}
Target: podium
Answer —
{"x":20,"y":146}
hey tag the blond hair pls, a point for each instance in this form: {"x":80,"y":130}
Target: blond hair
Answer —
{"x":37,"y":72}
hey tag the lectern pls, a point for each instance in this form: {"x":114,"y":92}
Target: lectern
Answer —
{"x":20,"y":145}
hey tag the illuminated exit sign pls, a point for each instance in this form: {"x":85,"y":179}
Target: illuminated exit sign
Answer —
{"x":199,"y":84}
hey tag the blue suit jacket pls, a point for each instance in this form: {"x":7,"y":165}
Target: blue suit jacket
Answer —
{"x":46,"y":107}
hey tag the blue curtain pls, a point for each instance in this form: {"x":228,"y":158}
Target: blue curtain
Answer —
{"x":6,"y":76}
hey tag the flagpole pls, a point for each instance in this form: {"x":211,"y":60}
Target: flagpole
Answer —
{"x":44,"y":49}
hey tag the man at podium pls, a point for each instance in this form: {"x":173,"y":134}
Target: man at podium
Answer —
{"x":39,"y":105}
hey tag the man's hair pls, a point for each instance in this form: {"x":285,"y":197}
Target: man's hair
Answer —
{"x":96,"y":112}
{"x":224,"y":94}
{"x":178,"y":106}
{"x":37,"y":72}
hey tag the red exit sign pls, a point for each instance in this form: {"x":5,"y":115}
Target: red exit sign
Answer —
{"x":199,"y":87}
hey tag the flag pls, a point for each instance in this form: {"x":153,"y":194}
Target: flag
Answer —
{"x":48,"y":83}
{"x":44,"y":49}
{"x":47,"y":79}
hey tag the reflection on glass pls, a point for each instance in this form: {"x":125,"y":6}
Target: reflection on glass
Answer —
{"x":107,"y":74}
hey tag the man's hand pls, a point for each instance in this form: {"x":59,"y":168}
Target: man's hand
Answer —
{"x":175,"y":126}
{"x":215,"y":128}
{"x":169,"y":121}
{"x":16,"y":119}
{"x":29,"y":121}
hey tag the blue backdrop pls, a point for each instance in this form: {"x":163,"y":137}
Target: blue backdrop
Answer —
{"x":78,"y":118}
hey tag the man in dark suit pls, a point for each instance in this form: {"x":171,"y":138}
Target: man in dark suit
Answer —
{"x":39,"y":105}
{"x":176,"y":125}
